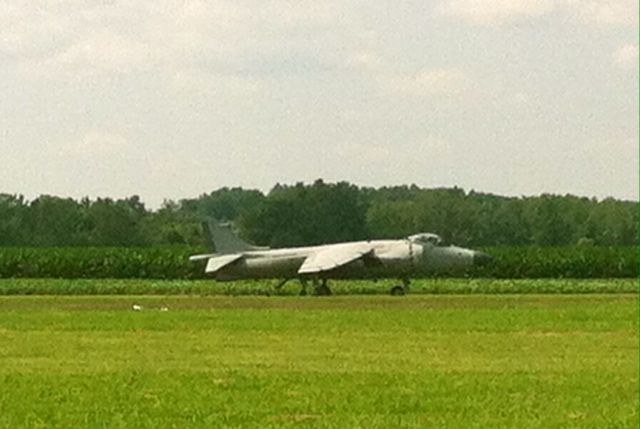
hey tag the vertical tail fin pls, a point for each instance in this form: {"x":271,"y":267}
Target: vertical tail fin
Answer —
{"x":222,"y":239}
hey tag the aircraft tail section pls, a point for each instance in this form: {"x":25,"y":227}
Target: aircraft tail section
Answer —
{"x":223,"y":240}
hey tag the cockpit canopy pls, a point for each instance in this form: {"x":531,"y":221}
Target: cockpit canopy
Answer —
{"x":426,"y":238}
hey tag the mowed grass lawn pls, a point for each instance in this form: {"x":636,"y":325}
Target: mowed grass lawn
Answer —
{"x":447,"y":361}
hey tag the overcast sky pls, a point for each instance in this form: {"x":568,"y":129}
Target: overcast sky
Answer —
{"x":169,"y":99}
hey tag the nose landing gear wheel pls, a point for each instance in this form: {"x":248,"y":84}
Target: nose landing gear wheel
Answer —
{"x":399,"y":290}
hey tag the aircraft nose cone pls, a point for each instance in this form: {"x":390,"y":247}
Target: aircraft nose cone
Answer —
{"x":481,"y":259}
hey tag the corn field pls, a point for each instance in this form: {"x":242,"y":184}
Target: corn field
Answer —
{"x":172,"y":262}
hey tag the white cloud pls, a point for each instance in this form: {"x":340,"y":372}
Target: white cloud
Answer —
{"x":626,"y":56}
{"x":491,"y":12}
{"x":363,"y":60}
{"x":521,"y":97}
{"x":96,"y":144}
{"x":25,"y":33}
{"x":403,"y":162}
{"x":99,"y":53}
{"x":222,"y":37}
{"x":606,"y":13}
{"x":195,"y":81}
{"x":424,"y":82}
{"x":602,"y":13}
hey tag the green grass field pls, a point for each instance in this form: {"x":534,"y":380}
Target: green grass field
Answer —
{"x":445,"y":361}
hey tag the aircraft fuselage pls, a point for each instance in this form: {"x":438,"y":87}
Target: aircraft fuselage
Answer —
{"x":393,"y":259}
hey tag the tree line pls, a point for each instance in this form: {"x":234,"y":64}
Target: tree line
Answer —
{"x":303,"y":214}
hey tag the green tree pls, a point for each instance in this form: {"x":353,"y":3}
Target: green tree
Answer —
{"x":224,"y":204}
{"x":13,"y":213}
{"x":297,"y":215}
{"x":116,"y":223}
{"x":55,"y":221}
{"x":392,"y":219}
{"x":171,"y":224}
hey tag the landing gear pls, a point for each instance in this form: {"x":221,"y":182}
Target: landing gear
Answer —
{"x":321,"y":288}
{"x":399,"y":290}
{"x":282,"y":283}
{"x":303,"y":291}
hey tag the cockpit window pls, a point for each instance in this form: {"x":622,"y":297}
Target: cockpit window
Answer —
{"x":427,"y":238}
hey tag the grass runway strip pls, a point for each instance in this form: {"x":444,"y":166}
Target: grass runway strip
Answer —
{"x":447,"y":361}
{"x":346,"y":287}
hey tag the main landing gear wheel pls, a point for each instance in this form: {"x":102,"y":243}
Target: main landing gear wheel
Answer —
{"x":321,"y":289}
